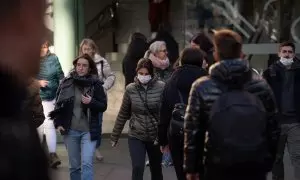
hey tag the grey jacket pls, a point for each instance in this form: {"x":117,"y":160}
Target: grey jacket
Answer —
{"x":105,"y":73}
{"x":142,"y":124}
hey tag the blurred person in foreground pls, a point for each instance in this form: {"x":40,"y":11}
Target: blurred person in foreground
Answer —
{"x":33,"y":103}
{"x":21,"y":154}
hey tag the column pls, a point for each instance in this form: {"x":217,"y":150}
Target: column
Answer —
{"x":64,"y":32}
{"x":80,"y":24}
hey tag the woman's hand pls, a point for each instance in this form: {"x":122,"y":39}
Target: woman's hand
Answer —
{"x":60,"y":129}
{"x":43,"y":83}
{"x":164,"y":149}
{"x":86,"y":99}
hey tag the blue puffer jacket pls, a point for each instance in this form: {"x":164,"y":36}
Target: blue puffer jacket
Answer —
{"x":50,"y":70}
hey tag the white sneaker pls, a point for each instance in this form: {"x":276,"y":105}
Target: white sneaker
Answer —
{"x":98,"y":155}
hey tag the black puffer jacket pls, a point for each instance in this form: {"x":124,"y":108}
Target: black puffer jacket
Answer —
{"x":203,"y":94}
{"x":181,"y":80}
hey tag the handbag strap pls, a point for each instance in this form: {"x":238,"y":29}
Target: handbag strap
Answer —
{"x":145,"y":104}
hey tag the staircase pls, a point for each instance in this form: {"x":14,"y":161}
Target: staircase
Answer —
{"x":112,"y":38}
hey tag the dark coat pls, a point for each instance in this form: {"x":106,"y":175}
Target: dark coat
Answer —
{"x":63,"y":113}
{"x":135,"y":52}
{"x":206,"y":90}
{"x":33,"y":104}
{"x":181,"y":80}
{"x":274,"y":76}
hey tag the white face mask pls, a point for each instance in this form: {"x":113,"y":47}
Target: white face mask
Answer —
{"x":286,"y":61}
{"x":144,"y":79}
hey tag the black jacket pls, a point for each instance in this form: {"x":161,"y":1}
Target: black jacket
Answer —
{"x":203,"y":94}
{"x":181,"y":80}
{"x":274,"y":76}
{"x":62,"y":115}
{"x":33,"y":104}
{"x":135,"y":52}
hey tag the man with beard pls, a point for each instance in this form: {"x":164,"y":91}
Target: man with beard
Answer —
{"x":22,"y":28}
{"x":284,"y":78}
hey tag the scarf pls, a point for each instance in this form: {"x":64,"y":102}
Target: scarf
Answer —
{"x":67,"y":91}
{"x":67,"y":86}
{"x":158,"y":63}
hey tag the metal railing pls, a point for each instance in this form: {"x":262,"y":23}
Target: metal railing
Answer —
{"x":106,"y":19}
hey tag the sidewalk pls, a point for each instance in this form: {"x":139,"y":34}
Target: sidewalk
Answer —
{"x":116,"y":164}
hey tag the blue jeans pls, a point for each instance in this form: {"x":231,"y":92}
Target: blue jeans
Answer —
{"x":100,"y":138}
{"x":80,"y":151}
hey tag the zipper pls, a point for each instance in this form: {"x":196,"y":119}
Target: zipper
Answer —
{"x":146,"y":101}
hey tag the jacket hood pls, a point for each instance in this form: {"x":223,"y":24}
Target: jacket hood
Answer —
{"x":98,"y":58}
{"x":185,"y":75}
{"x":233,"y":73}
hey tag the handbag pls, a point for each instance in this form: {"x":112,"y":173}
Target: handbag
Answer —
{"x":177,"y":118}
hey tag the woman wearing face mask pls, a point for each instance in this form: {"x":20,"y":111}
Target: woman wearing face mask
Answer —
{"x":88,"y":46}
{"x":141,"y":104}
{"x":80,"y":99}
{"x":158,"y":55}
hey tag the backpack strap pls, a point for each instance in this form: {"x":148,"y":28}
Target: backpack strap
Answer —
{"x":180,"y":97}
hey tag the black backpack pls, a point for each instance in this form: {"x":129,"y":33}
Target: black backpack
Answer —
{"x":177,"y":120}
{"x":237,"y":129}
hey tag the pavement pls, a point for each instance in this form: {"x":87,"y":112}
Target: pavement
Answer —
{"x":116,"y":164}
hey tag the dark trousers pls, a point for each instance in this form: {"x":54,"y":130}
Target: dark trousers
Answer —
{"x":176,"y":148}
{"x":236,"y":173}
{"x":138,"y":150}
{"x":158,"y":14}
{"x":99,"y":141}
{"x":290,"y":136}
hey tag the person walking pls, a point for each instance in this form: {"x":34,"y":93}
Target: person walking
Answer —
{"x":49,"y":77}
{"x":79,"y":100}
{"x":283,"y":77}
{"x":141,"y":103}
{"x":88,"y":46}
{"x":174,"y":100}
{"x":239,"y":114}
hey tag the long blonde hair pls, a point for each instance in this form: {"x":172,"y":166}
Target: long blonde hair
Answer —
{"x":89,"y":42}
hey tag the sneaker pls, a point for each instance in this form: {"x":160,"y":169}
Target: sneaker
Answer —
{"x":54,"y":160}
{"x":98,"y":155}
